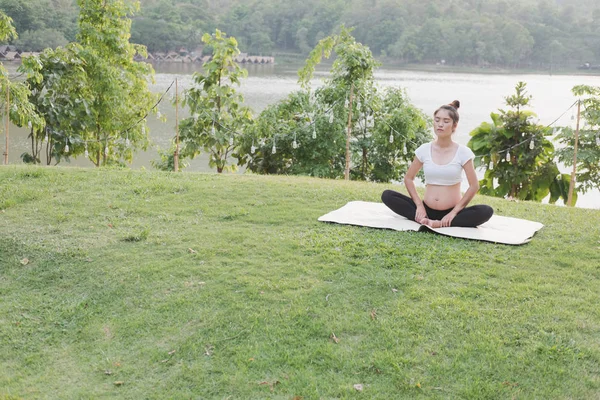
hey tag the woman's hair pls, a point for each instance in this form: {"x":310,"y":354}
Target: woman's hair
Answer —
{"x":452,"y":109}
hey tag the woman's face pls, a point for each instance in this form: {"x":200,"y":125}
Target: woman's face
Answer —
{"x":443,"y":124}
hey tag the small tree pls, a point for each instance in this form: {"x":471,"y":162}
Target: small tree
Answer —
{"x":61,"y":97}
{"x":516,"y":154}
{"x":295,"y":136}
{"x":118,"y":85}
{"x":21,"y":112}
{"x":308,"y":133}
{"x":218,"y":115}
{"x":588,"y":152}
{"x":352,"y":73}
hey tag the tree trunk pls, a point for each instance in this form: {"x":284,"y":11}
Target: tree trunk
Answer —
{"x":99,"y":145}
{"x":365,"y":162}
{"x":348,"y":135}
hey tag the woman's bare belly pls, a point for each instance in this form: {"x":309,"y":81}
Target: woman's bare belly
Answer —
{"x":442,"y":197}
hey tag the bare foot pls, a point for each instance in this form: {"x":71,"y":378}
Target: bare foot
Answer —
{"x":433,"y":223}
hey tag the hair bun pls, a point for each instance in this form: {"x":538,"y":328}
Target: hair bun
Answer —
{"x":455,"y":104}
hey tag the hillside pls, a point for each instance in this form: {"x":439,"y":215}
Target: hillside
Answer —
{"x":136,"y":284}
{"x":536,"y":34}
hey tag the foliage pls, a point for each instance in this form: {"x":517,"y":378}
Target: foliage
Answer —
{"x":41,"y":39}
{"x":61,"y":97}
{"x":42,"y":23}
{"x":7,"y":30}
{"x":540,"y":34}
{"x":218,"y":115}
{"x":20,"y":110}
{"x":139,"y":284}
{"x":516,"y":154}
{"x":120,"y":98}
{"x":294,"y":136}
{"x":167,"y":160}
{"x":399,"y":128}
{"x":306,"y":133}
{"x":166,"y":25}
{"x":91,"y":96}
{"x":588,"y":153}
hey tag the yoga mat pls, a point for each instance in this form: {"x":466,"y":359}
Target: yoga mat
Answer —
{"x":498,"y":229}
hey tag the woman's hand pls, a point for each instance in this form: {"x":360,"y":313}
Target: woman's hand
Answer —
{"x":420,"y":213}
{"x":447,"y":220}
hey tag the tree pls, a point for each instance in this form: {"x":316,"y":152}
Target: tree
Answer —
{"x":218,"y":115}
{"x":516,"y":154}
{"x":41,"y":22}
{"x":41,"y":39}
{"x":21,"y":111}
{"x":120,"y":98}
{"x":308,"y":133}
{"x":294,"y":136}
{"x":588,"y":154}
{"x":351,"y":74}
{"x":61,"y":97}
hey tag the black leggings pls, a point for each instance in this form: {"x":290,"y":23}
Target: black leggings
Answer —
{"x":467,"y":217}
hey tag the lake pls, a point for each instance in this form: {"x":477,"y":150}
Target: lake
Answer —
{"x":479,"y":94}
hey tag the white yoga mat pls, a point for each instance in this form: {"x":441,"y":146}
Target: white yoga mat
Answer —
{"x":498,"y":229}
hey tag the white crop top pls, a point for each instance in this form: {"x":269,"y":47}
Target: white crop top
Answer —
{"x":447,"y":174}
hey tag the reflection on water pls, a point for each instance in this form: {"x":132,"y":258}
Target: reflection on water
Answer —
{"x":479,"y":94}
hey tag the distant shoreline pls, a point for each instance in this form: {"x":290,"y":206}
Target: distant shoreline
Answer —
{"x":491,"y":70}
{"x":288,"y":60}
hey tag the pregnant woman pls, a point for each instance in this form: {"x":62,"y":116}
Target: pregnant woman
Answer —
{"x":443,"y":162}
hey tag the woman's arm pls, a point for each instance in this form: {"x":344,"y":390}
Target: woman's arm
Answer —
{"x":467,"y":197}
{"x":409,"y":182}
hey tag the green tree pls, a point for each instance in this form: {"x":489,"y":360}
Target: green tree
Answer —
{"x":61,"y":97}
{"x":517,"y":155}
{"x":307,"y":132}
{"x":20,"y":111}
{"x":218,"y":114}
{"x":41,"y":23}
{"x":588,"y":146}
{"x":120,"y":97}
{"x":351,"y":75}
{"x":295,"y":136}
{"x":41,"y":39}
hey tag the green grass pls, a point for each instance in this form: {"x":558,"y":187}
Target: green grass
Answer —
{"x":135,"y":284}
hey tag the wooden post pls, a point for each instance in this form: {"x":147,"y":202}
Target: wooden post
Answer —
{"x":7,"y":121}
{"x":349,"y":135}
{"x":572,"y":183}
{"x":176,"y":156}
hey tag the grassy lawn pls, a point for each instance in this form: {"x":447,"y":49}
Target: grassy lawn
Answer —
{"x":136,"y":284}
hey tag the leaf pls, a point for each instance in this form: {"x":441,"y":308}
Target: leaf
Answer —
{"x":119,"y":383}
{"x":373,"y":314}
{"x":192,"y":251}
{"x":25,"y":261}
{"x":334,"y":338}
{"x":271,"y":384}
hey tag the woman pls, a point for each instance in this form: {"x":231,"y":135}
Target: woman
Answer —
{"x":443,"y":161}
